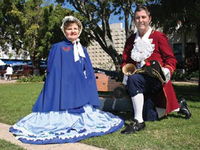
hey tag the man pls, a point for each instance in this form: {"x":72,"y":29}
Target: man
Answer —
{"x":154,"y":61}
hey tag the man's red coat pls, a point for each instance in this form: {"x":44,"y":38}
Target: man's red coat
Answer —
{"x":163,"y":53}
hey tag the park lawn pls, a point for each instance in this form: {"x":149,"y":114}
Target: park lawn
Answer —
{"x":171,"y":133}
{"x":4,"y":145}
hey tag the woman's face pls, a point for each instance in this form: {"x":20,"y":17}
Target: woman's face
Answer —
{"x":72,"y":32}
{"x":142,"y":21}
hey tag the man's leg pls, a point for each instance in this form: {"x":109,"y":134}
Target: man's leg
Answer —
{"x":135,"y":88}
{"x":138,"y":86}
{"x":138,"y":103}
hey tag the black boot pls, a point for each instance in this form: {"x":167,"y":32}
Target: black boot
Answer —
{"x":184,"y":108}
{"x":133,"y":127}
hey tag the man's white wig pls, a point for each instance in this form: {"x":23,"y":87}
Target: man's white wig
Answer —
{"x":71,"y":19}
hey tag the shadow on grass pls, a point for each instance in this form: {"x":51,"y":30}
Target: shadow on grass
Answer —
{"x":176,"y":116}
{"x":123,"y":107}
{"x":127,"y":116}
{"x":189,"y":92}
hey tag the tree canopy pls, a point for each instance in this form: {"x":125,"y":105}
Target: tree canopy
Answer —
{"x":33,"y":25}
{"x":97,"y":14}
{"x":30,"y":27}
{"x":178,"y":17}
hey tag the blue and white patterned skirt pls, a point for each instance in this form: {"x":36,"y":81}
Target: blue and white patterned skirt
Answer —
{"x":65,"y":127}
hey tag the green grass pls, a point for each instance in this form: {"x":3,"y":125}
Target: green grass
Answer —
{"x":171,"y":133}
{"x":17,"y":100}
{"x":4,"y":145}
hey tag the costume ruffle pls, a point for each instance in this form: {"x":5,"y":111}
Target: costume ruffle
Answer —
{"x":142,"y":50}
{"x":65,"y":127}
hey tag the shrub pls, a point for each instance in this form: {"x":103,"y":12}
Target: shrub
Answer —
{"x":184,"y":76}
{"x":33,"y":78}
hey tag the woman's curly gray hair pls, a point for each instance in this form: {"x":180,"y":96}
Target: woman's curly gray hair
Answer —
{"x":71,"y":19}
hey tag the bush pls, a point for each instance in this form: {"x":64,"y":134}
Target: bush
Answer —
{"x":184,"y":76}
{"x":32,"y":79}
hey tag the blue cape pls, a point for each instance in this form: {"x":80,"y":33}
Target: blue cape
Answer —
{"x":66,"y":87}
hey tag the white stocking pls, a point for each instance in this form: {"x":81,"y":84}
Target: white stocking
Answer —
{"x":138,"y":102}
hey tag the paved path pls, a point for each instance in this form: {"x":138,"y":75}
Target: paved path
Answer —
{"x":6,"y":81}
{"x":195,"y":82}
{"x":186,"y":82}
{"x":6,"y":135}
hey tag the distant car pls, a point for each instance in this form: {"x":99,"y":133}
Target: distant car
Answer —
{"x":43,"y":67}
{"x":22,"y":70}
{"x":2,"y":70}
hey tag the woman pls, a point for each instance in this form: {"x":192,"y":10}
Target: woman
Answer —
{"x":153,"y":58}
{"x":66,"y":109}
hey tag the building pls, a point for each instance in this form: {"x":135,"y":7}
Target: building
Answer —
{"x":186,"y":51}
{"x":10,"y":56}
{"x":99,"y":58}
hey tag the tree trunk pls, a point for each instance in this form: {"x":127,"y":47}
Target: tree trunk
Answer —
{"x":198,"y":42}
{"x":184,"y":40}
{"x":35,"y":65}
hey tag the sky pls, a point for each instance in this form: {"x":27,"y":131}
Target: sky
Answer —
{"x":113,"y":18}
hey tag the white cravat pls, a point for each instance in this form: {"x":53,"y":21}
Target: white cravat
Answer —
{"x":143,"y":48}
{"x":78,"y":50}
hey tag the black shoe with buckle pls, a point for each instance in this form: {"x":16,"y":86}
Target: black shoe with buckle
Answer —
{"x":133,"y":127}
{"x":184,"y":110}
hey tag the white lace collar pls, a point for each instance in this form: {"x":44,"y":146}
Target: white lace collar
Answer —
{"x":143,"y":48}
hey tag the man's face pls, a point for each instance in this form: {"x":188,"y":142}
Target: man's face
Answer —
{"x":142,"y":21}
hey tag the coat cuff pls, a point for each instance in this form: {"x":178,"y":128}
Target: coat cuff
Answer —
{"x":171,"y":69}
{"x":167,"y":74}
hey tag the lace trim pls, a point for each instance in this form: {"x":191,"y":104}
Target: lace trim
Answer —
{"x":142,"y":49}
